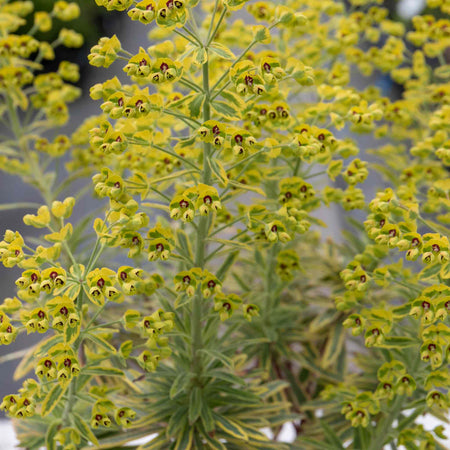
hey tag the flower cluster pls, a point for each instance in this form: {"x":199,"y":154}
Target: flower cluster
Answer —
{"x":201,"y":300}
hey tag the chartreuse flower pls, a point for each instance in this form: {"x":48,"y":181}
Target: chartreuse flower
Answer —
{"x":225,"y":305}
{"x":359,"y":410}
{"x":100,"y":413}
{"x":57,"y":148}
{"x":161,"y":242}
{"x":70,"y":38}
{"x":8,"y":332}
{"x":35,"y":320}
{"x":66,"y":11}
{"x":105,"y":52}
{"x":356,"y":172}
{"x":41,"y":220}
{"x":241,"y":142}
{"x":356,"y":322}
{"x":295,"y":191}
{"x":435,"y":247}
{"x":154,"y":326}
{"x":210,"y":284}
{"x":10,"y":305}
{"x":250,"y":311}
{"x":19,"y":406}
{"x":182,"y":207}
{"x":60,"y":364}
{"x":271,"y":69}
{"x":69,"y":71}
{"x":213,"y":132}
{"x":43,"y":21}
{"x":187,"y":280}
{"x":62,"y":308}
{"x":207,"y":199}
{"x":202,"y":198}
{"x":124,"y":416}
{"x":437,"y":398}
{"x":130,"y":279}
{"x":149,"y":360}
{"x":288,"y":262}
{"x":355,"y":277}
{"x":118,"y":5}
{"x":144,"y":11}
{"x":171,"y":13}
{"x":51,"y":278}
{"x":46,"y":369}
{"x":63,"y":209}
{"x":276,"y":231}
{"x":390,"y":371}
{"x":101,"y":286}
{"x":11,"y":252}
{"x":68,"y":437}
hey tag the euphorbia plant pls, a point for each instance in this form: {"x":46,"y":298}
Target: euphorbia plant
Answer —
{"x":204,"y":310}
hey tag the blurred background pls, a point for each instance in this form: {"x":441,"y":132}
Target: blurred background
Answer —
{"x":94,"y":23}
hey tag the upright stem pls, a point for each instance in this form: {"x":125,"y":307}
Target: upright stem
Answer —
{"x":385,"y":425}
{"x":270,"y":269}
{"x":202,"y":234}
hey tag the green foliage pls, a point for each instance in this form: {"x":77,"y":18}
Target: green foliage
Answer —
{"x":230,"y":314}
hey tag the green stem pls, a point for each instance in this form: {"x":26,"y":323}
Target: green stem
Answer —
{"x":188,"y":83}
{"x":227,"y":225}
{"x":213,"y":15}
{"x":315,"y":175}
{"x":213,"y":34}
{"x":202,"y":234}
{"x":69,"y":401}
{"x":246,"y":159}
{"x":384,"y":426}
{"x":197,"y":40}
{"x":221,"y":246}
{"x":175,"y":155}
{"x":270,"y":282}
{"x":182,"y":117}
{"x":185,"y":37}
